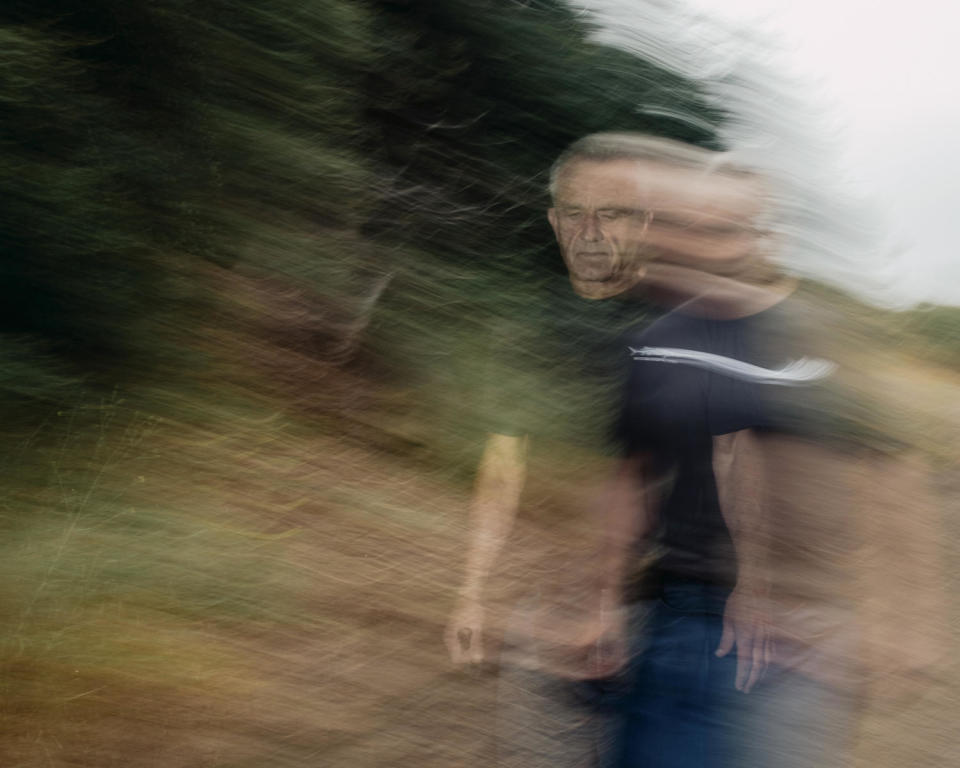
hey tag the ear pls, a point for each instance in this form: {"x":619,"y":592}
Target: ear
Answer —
{"x":552,"y":218}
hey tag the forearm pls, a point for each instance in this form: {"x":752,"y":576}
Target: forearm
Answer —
{"x":624,"y":518}
{"x":751,"y":540}
{"x":740,"y":474}
{"x":493,"y":509}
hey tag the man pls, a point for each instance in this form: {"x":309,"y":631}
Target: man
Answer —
{"x":605,"y":190}
{"x":723,"y":524}
{"x":618,"y":200}
{"x":746,"y":472}
{"x":551,"y":462}
{"x":601,"y":231}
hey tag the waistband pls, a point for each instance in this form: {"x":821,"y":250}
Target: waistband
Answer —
{"x":682,"y":594}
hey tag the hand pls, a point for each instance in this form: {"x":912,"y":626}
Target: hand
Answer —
{"x":603,"y":644}
{"x":746,"y":624}
{"x":464,"y":633}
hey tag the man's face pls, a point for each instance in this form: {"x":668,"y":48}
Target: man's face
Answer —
{"x":600,"y":218}
{"x":703,"y":221}
{"x":612,"y":217}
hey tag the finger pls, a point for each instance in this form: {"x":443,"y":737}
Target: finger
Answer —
{"x":744,"y":659}
{"x":726,"y":640}
{"x":764,"y":659}
{"x":758,"y":666}
{"x":743,"y":672}
{"x":460,"y":642}
{"x":476,"y":648}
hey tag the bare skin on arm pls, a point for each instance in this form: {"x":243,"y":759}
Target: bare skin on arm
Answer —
{"x":623,"y":512}
{"x":739,"y":471}
{"x":493,"y":510}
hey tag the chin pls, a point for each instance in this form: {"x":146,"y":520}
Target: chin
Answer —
{"x":599,"y":277}
{"x":592,"y":289}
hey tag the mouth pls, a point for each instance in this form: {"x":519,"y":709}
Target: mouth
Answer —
{"x":592,"y":265}
{"x":592,"y":257}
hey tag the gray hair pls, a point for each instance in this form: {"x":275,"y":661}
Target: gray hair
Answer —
{"x":641,"y":146}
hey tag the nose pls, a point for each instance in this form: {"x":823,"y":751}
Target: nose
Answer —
{"x":591,"y":232}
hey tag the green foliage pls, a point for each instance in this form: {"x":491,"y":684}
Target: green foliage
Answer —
{"x":141,"y":140}
{"x":470,"y":104}
{"x":370,"y":174}
{"x":144,"y":138}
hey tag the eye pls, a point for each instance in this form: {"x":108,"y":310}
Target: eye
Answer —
{"x":610,"y":215}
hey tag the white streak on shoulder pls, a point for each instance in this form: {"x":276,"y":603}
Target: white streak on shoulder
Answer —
{"x":795,"y":373}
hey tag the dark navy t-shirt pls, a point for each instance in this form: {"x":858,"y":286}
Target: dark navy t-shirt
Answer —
{"x":556,"y":375}
{"x":675,"y":403}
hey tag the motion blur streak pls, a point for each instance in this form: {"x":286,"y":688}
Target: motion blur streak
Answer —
{"x":826,"y":231}
{"x":256,"y":260}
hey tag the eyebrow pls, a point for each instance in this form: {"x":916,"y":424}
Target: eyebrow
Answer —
{"x":603,"y":209}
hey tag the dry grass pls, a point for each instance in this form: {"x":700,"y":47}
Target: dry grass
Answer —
{"x":230,"y":584}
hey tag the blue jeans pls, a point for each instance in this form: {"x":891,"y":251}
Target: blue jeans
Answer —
{"x":678,"y":702}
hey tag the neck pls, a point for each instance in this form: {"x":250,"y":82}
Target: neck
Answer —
{"x":701,"y":293}
{"x":598,"y":291}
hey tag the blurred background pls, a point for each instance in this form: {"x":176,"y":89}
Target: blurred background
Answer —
{"x":254,"y":257}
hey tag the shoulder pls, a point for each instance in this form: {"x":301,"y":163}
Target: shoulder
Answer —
{"x":669,"y":330}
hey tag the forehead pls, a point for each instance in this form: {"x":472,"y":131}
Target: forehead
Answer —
{"x":589,"y":182}
{"x":656,"y":186}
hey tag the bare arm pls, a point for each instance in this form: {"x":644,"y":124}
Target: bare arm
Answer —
{"x":738,"y":464}
{"x":739,"y":471}
{"x":493,"y":510}
{"x":624,"y":516}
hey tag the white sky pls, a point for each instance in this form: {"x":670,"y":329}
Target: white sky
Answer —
{"x":885,"y":74}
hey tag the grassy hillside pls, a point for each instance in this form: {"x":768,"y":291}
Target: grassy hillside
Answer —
{"x":252,"y":254}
